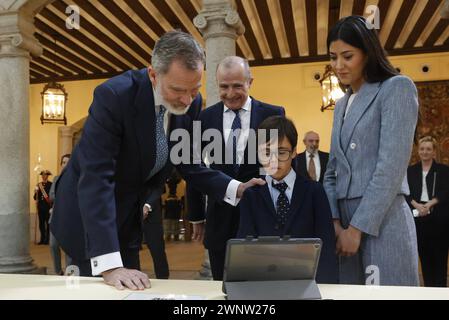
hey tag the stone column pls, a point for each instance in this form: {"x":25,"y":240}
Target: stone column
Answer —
{"x":16,"y":44}
{"x":220,"y":25}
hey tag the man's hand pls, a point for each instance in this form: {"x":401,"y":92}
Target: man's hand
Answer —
{"x":146,"y":210}
{"x":122,"y":278}
{"x":243,"y":186}
{"x":198,"y":231}
{"x":348,"y":242}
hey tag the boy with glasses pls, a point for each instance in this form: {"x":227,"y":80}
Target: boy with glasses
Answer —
{"x":288,"y":204}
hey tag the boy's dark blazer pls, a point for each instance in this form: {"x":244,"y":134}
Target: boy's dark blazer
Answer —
{"x":309,"y":217}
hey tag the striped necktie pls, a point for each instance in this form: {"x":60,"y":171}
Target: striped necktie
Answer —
{"x":235,"y":133}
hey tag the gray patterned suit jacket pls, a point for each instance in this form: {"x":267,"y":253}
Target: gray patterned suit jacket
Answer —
{"x":371,"y":148}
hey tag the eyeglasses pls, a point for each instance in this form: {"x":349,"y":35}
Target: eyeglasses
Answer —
{"x":282,"y":155}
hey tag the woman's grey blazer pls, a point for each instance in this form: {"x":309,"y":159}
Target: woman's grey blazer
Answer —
{"x":370,"y":150}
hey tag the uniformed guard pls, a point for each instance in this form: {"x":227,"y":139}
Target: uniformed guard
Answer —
{"x":43,"y":204}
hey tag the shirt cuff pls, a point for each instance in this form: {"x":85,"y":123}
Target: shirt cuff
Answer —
{"x":231,"y":193}
{"x":106,"y":262}
{"x":198,"y":222}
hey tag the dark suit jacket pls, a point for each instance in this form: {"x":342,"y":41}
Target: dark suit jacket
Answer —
{"x":301,"y":164}
{"x":309,"y":217}
{"x":440,"y":173}
{"x":222,"y":218}
{"x":100,"y":194}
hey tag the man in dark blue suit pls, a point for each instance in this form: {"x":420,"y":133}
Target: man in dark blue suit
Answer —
{"x":238,"y":113}
{"x":288,"y":204}
{"x":123,"y":153}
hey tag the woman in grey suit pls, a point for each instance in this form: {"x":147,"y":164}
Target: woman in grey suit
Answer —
{"x":365,"y":180}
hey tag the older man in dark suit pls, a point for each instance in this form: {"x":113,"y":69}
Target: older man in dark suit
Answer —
{"x":311,"y":164}
{"x":236,"y":112}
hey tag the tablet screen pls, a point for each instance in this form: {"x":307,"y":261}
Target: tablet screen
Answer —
{"x":255,"y":260}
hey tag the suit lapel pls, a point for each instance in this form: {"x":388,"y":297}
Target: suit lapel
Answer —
{"x":361,"y":103}
{"x":266,"y":197}
{"x":299,"y":192}
{"x":323,"y":164}
{"x":303,"y":164}
{"x":216,"y":122}
{"x":338,"y":121}
{"x":145,"y":122}
{"x":429,"y":179}
{"x":256,"y":114}
{"x":256,"y":117}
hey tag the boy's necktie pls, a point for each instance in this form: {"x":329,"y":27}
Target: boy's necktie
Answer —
{"x":282,"y":203}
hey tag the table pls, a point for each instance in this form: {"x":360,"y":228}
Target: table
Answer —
{"x":39,"y":287}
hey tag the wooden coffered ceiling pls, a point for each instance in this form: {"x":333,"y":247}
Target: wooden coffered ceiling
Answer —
{"x":117,"y":35}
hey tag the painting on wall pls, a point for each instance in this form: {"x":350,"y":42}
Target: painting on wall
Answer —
{"x":433,"y":117}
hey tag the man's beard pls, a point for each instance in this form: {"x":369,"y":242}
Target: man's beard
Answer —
{"x":170,"y":108}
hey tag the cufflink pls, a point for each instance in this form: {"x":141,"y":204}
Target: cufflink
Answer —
{"x":95,"y":263}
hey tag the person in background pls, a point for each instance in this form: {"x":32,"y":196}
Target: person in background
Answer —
{"x":371,"y":144}
{"x":312,"y":162}
{"x":173,"y":208}
{"x":153,"y":233}
{"x":43,"y":204}
{"x":429,"y":199}
{"x":55,"y":249}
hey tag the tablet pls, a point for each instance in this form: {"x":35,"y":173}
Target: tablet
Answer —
{"x":271,"y":258}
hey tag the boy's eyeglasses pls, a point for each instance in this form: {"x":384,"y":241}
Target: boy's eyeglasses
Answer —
{"x":281,"y":155}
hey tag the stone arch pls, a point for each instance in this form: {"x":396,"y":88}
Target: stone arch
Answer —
{"x":28,"y":7}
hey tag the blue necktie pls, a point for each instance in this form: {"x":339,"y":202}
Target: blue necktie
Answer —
{"x":236,"y":125}
{"x":161,"y":143}
{"x":282,"y":203}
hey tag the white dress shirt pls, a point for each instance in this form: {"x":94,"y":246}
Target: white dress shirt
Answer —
{"x":289,"y":179}
{"x":114,"y":260}
{"x":424,"y":192}
{"x":316,"y":160}
{"x":350,"y":101}
{"x":245,"y":119}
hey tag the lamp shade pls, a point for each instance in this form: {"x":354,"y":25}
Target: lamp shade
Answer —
{"x":54,"y":99}
{"x":331,"y":90}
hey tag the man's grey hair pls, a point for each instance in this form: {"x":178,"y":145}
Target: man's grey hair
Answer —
{"x":310,"y":132}
{"x":179,"y":46}
{"x":231,"y":61}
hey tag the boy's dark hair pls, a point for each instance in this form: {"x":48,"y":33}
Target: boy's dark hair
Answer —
{"x":68,"y":155}
{"x":284,"y":126}
{"x":354,"y":31}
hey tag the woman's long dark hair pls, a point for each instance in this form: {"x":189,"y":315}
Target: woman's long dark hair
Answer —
{"x":354,"y":31}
